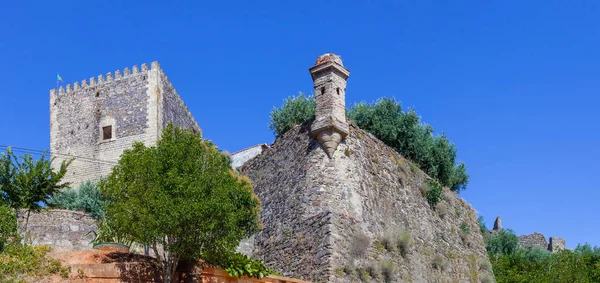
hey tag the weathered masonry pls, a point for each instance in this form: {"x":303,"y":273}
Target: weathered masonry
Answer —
{"x":96,"y":120}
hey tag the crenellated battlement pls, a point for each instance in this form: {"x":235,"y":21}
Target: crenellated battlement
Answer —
{"x":108,"y":78}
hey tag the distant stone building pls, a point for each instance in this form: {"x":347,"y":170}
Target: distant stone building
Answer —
{"x":96,"y":120}
{"x":534,"y":240}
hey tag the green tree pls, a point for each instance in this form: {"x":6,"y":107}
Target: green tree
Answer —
{"x":27,"y":184}
{"x":405,"y":132}
{"x":294,"y":111}
{"x":86,"y":198}
{"x":482,"y":227}
{"x":180,"y":197}
{"x":503,"y":242}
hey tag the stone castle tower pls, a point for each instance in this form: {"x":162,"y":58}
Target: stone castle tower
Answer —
{"x":329,"y":78}
{"x":96,"y":120}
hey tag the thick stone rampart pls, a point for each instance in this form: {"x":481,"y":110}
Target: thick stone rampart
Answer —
{"x":329,"y":218}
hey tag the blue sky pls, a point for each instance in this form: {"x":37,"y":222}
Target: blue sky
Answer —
{"x":514,"y":84}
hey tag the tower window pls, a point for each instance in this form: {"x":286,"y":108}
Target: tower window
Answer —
{"x":338,"y":90}
{"x":106,"y":132}
{"x":323,"y":90}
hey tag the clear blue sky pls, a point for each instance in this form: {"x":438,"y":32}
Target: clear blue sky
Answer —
{"x":514,"y":84}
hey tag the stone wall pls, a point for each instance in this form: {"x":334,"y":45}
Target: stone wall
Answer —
{"x":327,"y":218}
{"x":132,"y":103}
{"x":535,"y":239}
{"x":60,"y":229}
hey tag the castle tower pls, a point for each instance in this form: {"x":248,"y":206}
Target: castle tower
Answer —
{"x":95,"y":121}
{"x":329,"y":78}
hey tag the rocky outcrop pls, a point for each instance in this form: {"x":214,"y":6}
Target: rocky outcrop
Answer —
{"x":362,"y":210}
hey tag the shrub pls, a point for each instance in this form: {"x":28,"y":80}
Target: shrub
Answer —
{"x":533,"y":253}
{"x":373,"y":271}
{"x":403,"y":242}
{"x":19,"y":260}
{"x":8,"y":226}
{"x":484,"y":265}
{"x":442,"y":209}
{"x":388,"y":242}
{"x":295,"y":110}
{"x":482,"y":228}
{"x":485,"y":278}
{"x":587,"y":249}
{"x":387,"y":270}
{"x":86,"y":198}
{"x":438,"y":263}
{"x":359,"y":245}
{"x":503,"y":242}
{"x":435,"y":193}
{"x":465,"y":228}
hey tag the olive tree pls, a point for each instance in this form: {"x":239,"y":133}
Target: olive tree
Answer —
{"x":181,"y":198}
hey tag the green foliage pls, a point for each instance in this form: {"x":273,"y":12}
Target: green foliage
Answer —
{"x":400,"y":130}
{"x":403,"y":243}
{"x":439,"y":263}
{"x":86,"y":198}
{"x":181,"y":196}
{"x":405,"y":132}
{"x":26,"y":183}
{"x":8,"y":226}
{"x":465,"y":228}
{"x":503,"y":242}
{"x":482,"y":228}
{"x":18,"y":261}
{"x":239,"y":265}
{"x":435,"y":192}
{"x":295,"y":110}
{"x":587,"y":249}
{"x":387,"y":270}
{"x":108,"y":234}
{"x":562,"y":266}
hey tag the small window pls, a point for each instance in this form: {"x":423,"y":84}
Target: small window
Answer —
{"x":106,"y":132}
{"x":338,"y":90}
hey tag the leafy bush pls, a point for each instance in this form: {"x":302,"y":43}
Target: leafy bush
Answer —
{"x":373,"y":271}
{"x":435,"y":192}
{"x":484,"y":265}
{"x":86,"y":198}
{"x":439,"y":263}
{"x":503,"y":242}
{"x":359,"y":245}
{"x":387,"y":270}
{"x":485,"y":278}
{"x":562,"y":266}
{"x":403,"y":131}
{"x":294,"y":111}
{"x":8,"y":226}
{"x":587,"y":249}
{"x":403,"y":242}
{"x":482,"y":228}
{"x":18,"y":260}
{"x":239,"y":265}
